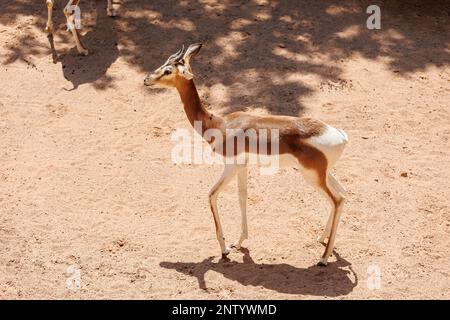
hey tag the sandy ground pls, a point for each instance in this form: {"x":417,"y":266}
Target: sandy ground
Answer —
{"x":86,"y":178}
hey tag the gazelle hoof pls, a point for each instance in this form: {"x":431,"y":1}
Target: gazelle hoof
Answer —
{"x":112,"y":13}
{"x":225,"y":252}
{"x":48,"y":29}
{"x":322,"y":262}
{"x":84,"y":52}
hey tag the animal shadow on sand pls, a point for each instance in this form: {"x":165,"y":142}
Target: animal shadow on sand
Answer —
{"x":332,"y":281}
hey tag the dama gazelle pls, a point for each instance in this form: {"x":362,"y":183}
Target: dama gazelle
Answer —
{"x":310,"y":145}
{"x":70,"y":17}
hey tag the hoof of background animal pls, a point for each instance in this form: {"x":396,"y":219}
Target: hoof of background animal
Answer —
{"x":48,"y":29}
{"x":322,"y":263}
{"x":112,"y":13}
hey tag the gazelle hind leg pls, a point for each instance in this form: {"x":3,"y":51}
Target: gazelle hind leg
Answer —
{"x":332,"y":188}
{"x":319,"y":180}
{"x":242,"y":186}
{"x":49,"y":26}
{"x":228,"y":173}
{"x":338,"y":189}
{"x":69,"y":12}
{"x":313,"y":178}
{"x":336,"y":185}
{"x":110,"y":9}
{"x":326,"y":232}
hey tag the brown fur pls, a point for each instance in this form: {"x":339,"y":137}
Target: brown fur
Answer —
{"x":292,"y":130}
{"x":293,"y":134}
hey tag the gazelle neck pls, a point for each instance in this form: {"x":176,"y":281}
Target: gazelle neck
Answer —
{"x":194,"y":108}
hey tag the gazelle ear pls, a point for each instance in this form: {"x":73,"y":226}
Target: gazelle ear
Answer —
{"x":192,"y":51}
{"x":183,"y":70}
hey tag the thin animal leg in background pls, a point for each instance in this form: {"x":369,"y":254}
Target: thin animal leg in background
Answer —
{"x":110,"y":9}
{"x":71,"y":25}
{"x":49,"y":26}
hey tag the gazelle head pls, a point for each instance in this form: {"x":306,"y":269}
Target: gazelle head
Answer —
{"x":175,"y":69}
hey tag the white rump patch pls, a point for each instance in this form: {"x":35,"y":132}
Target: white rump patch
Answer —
{"x":331,"y":142}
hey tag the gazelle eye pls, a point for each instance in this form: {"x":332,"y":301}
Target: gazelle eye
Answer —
{"x":167,"y":71}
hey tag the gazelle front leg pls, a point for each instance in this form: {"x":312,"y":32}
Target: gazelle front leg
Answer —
{"x":228,"y":173}
{"x":49,"y":26}
{"x":110,"y":10}
{"x":70,"y":11}
{"x":242,"y":186}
